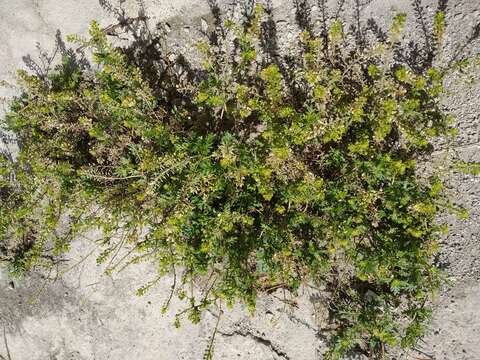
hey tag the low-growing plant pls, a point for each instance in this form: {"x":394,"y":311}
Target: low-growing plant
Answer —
{"x":255,"y":174}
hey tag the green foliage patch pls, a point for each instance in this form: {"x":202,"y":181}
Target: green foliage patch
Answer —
{"x":250,"y":177}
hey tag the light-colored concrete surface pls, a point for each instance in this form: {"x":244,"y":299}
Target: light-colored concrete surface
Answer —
{"x":87,"y":315}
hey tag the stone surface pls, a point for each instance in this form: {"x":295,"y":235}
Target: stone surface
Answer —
{"x":86,"y":315}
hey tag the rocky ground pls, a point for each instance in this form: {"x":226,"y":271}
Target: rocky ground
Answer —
{"x":85,"y":315}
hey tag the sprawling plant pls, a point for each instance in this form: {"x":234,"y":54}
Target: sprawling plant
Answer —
{"x":254,"y":175}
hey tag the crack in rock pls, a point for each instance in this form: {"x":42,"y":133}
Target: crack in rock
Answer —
{"x":259,"y":339}
{"x":36,"y":7}
{"x":304,"y":323}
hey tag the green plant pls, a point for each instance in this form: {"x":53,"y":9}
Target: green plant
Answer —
{"x":251,"y":177}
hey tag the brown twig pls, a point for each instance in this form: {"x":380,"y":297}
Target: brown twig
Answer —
{"x":9,"y":356}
